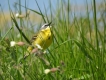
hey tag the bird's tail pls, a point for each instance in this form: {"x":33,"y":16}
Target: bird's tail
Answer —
{"x":28,"y":52}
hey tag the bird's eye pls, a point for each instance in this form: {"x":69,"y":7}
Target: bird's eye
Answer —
{"x":45,"y":25}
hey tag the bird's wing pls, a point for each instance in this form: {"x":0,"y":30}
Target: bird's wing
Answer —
{"x":34,"y":38}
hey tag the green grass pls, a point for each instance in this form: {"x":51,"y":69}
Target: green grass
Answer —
{"x":78,"y":49}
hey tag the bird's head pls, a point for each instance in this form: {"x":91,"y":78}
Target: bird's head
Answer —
{"x":47,"y":25}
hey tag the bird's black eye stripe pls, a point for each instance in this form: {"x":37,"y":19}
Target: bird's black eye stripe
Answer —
{"x":45,"y":25}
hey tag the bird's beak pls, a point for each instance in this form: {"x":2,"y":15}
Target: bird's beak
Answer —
{"x":49,"y":23}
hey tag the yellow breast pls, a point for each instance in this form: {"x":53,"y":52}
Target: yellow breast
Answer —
{"x":44,"y":38}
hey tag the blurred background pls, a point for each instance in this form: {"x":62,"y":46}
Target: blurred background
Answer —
{"x":77,"y":8}
{"x":78,"y":49}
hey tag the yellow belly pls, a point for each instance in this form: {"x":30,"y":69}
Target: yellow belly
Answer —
{"x":44,"y":39}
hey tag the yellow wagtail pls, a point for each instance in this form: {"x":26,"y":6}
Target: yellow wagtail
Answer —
{"x":43,"y":38}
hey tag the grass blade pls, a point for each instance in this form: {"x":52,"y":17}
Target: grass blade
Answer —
{"x":16,"y":24}
{"x":82,"y":48}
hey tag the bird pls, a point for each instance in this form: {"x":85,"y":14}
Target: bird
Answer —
{"x":43,"y":38}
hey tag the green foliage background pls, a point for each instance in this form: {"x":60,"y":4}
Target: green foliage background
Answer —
{"x":78,"y":48}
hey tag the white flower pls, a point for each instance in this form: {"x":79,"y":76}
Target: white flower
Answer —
{"x":17,"y":15}
{"x":12,"y":43}
{"x":38,"y":46}
{"x":47,"y":71}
